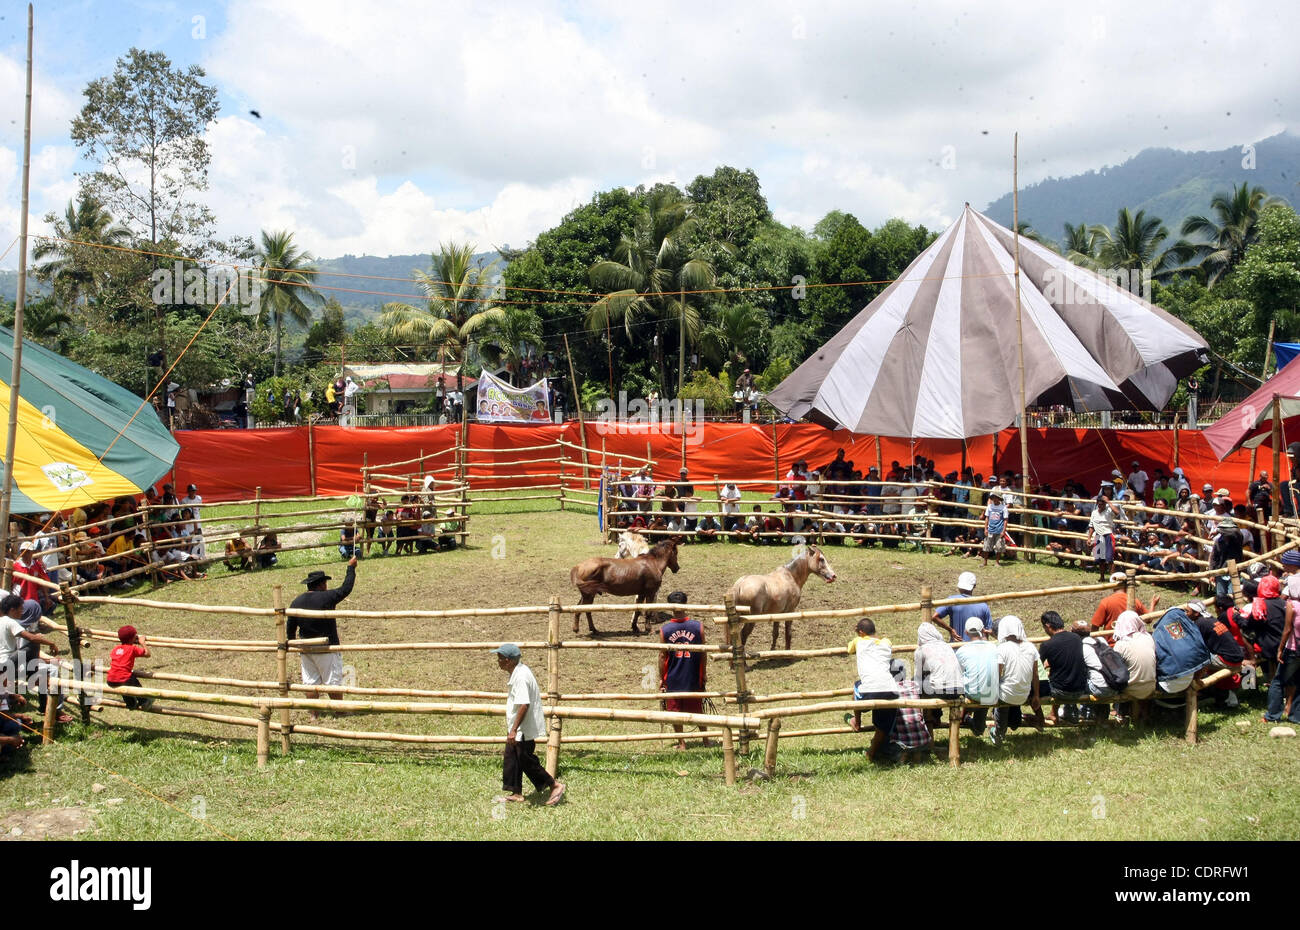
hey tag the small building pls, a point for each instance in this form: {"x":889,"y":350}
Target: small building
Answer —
{"x":404,"y":388}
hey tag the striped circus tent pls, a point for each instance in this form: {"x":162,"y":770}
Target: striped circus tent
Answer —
{"x":935,"y":355}
{"x":80,"y":438}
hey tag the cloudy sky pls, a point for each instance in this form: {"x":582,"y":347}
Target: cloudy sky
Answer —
{"x":387,"y":127}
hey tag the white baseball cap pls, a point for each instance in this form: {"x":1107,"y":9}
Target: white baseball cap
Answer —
{"x":1117,"y":577}
{"x":1195,"y":607}
{"x":974,"y":625}
{"x":966,"y":581}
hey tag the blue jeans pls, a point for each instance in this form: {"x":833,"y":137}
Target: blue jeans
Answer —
{"x":1287,"y":673}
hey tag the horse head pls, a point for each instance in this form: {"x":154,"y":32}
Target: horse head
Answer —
{"x":818,"y":565}
{"x":670,"y":545}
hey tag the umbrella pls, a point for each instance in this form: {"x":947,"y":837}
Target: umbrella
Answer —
{"x":1250,"y":423}
{"x":935,"y":356}
{"x":69,"y":418}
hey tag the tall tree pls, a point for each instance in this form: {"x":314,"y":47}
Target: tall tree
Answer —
{"x":511,"y":339}
{"x":651,"y":273}
{"x":69,"y":266}
{"x":143,"y":126}
{"x":1230,"y":233}
{"x":1080,"y":245}
{"x":287,"y":278}
{"x":1135,"y":243}
{"x":461,"y":297}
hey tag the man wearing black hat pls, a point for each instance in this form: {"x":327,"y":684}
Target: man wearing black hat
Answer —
{"x":320,"y":666}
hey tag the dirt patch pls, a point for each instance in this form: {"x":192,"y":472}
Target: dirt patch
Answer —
{"x":52,"y":823}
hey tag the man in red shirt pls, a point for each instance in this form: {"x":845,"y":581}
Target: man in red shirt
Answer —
{"x":26,"y":568}
{"x":122,"y":668}
{"x":1112,"y":605}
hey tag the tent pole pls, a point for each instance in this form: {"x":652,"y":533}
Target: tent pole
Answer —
{"x":6,"y":499}
{"x":1020,"y":334}
{"x":1277,"y":457}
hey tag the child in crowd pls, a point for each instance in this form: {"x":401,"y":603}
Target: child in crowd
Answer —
{"x":131,"y":646}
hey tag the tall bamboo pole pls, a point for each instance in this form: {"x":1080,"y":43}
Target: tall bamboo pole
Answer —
{"x":582,"y":421}
{"x":6,"y":498}
{"x":1277,"y":456}
{"x":553,"y":684}
{"x":282,"y":663}
{"x":74,"y":643}
{"x":1020,"y":334}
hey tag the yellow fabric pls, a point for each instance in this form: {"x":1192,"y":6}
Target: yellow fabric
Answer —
{"x":41,"y":443}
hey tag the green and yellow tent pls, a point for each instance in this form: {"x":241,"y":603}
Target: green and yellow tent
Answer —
{"x":80,"y":438}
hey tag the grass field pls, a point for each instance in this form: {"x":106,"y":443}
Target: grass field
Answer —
{"x":139,"y":776}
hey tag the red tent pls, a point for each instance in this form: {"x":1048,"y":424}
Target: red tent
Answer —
{"x":1250,"y":423}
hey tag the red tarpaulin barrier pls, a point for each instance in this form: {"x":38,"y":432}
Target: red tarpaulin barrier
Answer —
{"x":230,"y":464}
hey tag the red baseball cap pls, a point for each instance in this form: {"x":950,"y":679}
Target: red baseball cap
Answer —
{"x":126,"y":634}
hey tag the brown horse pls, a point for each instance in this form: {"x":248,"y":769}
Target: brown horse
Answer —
{"x":778,"y":592}
{"x":641,"y":576}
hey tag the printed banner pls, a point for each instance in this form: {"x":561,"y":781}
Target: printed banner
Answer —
{"x":498,"y":402}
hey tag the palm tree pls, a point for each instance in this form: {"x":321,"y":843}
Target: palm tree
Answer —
{"x":1080,"y":245}
{"x":732,"y":334}
{"x":67,"y":265}
{"x":460,"y":299}
{"x":286,"y":276}
{"x":650,"y":274}
{"x":511,"y":339}
{"x":1134,"y":244}
{"x":1226,"y":241}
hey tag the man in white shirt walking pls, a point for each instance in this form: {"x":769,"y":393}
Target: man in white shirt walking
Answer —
{"x":525,"y":723}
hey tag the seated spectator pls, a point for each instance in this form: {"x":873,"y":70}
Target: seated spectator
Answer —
{"x":384,"y":530}
{"x":1098,"y":686}
{"x":348,"y":539}
{"x":911,"y":737}
{"x":729,"y":497}
{"x":1134,"y":643}
{"x":14,"y":640}
{"x":28,"y":572}
{"x":1018,"y":683}
{"x":981,"y":673}
{"x":238,"y":555}
{"x":267,"y":551}
{"x":707,"y":529}
{"x":1225,"y":651}
{"x":874,"y":682}
{"x":1067,"y":673}
{"x":1180,"y":649}
{"x":426,"y":535}
{"x":448,"y":529}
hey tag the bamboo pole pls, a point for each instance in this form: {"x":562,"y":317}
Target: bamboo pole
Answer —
{"x":282,"y":664}
{"x":1190,"y":715}
{"x":1130,"y":590}
{"x":1234,"y":579}
{"x":1277,"y":455}
{"x":728,"y":757}
{"x":257,"y":507}
{"x":311,"y":457}
{"x":582,"y":422}
{"x":47,"y":724}
{"x":738,"y":663}
{"x":880,"y":460}
{"x":74,"y":640}
{"x":776,"y":454}
{"x":553,"y":650}
{"x":560,"y":494}
{"x":553,"y":740}
{"x":263,"y":735}
{"x":1020,"y":335}
{"x":769,"y":755}
{"x":954,"y":736}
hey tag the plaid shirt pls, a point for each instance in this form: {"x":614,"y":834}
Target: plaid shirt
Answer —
{"x":910,"y":730}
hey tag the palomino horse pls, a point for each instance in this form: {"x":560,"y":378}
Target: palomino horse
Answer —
{"x":631,"y":544}
{"x":641,"y":576}
{"x":778,"y":592}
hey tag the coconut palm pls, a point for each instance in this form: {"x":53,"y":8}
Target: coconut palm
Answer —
{"x":1080,"y":245}
{"x":460,"y":300}
{"x":650,"y":275}
{"x":732,"y":335}
{"x":1134,"y":243}
{"x":1225,"y":241}
{"x":510,"y":339}
{"x":287,"y":276}
{"x":71,"y":267}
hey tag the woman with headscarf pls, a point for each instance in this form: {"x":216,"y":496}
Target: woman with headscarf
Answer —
{"x":1019,"y":683}
{"x":1134,"y":643}
{"x":936,"y":669}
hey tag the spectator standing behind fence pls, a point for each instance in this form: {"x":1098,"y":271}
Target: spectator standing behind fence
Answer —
{"x":1101,"y":534}
{"x":685,"y":669}
{"x":1114,"y":604}
{"x":320,"y":666}
{"x":995,"y":529}
{"x":958,"y":614}
{"x":525,"y":724}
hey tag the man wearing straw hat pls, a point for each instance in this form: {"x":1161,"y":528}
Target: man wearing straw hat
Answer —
{"x":525,"y":724}
{"x":320,"y":666}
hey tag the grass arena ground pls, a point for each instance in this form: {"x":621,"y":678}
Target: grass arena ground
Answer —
{"x":133,"y":775}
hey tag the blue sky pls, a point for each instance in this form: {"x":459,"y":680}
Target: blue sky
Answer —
{"x":391,"y":126}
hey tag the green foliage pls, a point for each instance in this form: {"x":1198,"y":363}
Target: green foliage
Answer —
{"x":325,"y":336}
{"x":714,"y":391}
{"x":777,"y":371}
